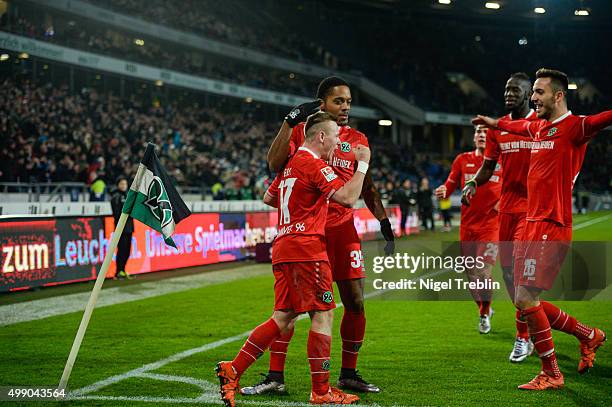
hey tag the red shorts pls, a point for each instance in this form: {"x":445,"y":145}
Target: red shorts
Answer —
{"x":477,"y":242}
{"x":540,"y":255}
{"x":303,"y":287}
{"x":344,"y":252}
{"x":511,"y":229}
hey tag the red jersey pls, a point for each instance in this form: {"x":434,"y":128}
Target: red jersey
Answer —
{"x":513,"y":152}
{"x":557,"y":152}
{"x":481,"y":213}
{"x":302,"y":191}
{"x":343,"y":162}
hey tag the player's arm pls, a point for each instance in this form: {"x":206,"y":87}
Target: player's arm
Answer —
{"x":521,"y":127}
{"x":482,"y":176}
{"x":271,"y":195}
{"x":592,"y":125}
{"x":452,"y":182}
{"x":279,"y":150}
{"x":371,"y":197}
{"x":349,"y":193}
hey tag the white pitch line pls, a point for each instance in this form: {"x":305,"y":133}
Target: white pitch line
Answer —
{"x":592,"y":222}
{"x":190,"y":352}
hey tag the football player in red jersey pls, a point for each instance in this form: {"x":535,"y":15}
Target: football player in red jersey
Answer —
{"x":514,"y":151}
{"x":303,"y":280}
{"x":479,"y":225}
{"x":558,"y":146}
{"x":343,"y":243}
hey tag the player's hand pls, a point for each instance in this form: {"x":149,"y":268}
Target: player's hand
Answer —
{"x":362,"y":153}
{"x":440,"y":192}
{"x":301,"y":112}
{"x":387,"y":232}
{"x":469,"y":190}
{"x":485,"y":121}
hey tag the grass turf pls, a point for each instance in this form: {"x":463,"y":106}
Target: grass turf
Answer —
{"x":419,"y":352}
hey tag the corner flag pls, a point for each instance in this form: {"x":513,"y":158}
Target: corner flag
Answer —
{"x":153,"y":200}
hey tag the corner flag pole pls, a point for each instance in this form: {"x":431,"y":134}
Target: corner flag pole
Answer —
{"x":93,"y":298}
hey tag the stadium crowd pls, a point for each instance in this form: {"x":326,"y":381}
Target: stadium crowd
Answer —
{"x":62,"y":30}
{"x":55,"y":135}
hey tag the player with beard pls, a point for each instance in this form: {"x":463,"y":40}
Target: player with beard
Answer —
{"x":558,"y":146}
{"x":514,"y":151}
{"x":478,"y":230}
{"x":343,"y":243}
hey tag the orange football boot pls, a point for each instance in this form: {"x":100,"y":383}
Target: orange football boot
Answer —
{"x":588,"y":349}
{"x":333,"y":396}
{"x":543,"y":381}
{"x":228,"y":379}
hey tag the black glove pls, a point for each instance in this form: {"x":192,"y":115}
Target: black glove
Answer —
{"x":299,"y":113}
{"x":387,"y":232}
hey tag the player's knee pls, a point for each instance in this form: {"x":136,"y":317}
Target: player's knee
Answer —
{"x":356,"y":304}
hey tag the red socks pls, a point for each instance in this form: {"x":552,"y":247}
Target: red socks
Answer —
{"x":319,"y":349}
{"x":484,"y":307}
{"x":352,"y":330}
{"x":259,"y":340}
{"x":539,"y":329}
{"x":561,"y":321}
{"x":522,"y":330}
{"x":278,"y":351}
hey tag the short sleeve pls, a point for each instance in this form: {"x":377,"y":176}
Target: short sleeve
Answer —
{"x":492,"y":150}
{"x":297,"y":138}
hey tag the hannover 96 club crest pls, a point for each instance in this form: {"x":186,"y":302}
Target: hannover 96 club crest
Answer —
{"x":158,"y":202}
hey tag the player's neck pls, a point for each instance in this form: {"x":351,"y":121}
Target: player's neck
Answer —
{"x":520,"y":113}
{"x":479,"y":151}
{"x":312,"y":149}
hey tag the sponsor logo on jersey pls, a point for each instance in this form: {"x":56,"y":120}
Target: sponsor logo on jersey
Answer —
{"x":345,"y":147}
{"x":551,"y":132}
{"x":329,"y":174}
{"x":503,"y":133}
{"x":469,"y":165}
{"x":339,"y":162}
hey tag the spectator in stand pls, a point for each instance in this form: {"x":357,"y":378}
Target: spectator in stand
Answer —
{"x":125,"y":241}
{"x":406,"y":198}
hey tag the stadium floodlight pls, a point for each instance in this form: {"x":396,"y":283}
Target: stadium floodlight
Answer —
{"x":248,"y":100}
{"x":139,"y":42}
{"x":539,"y":10}
{"x":4,"y":57}
{"x":444,"y":1}
{"x":493,"y":5}
{"x":581,"y":12}
{"x":572,"y":86}
{"x":385,"y":122}
{"x":24,"y":55}
{"x":159,"y":83}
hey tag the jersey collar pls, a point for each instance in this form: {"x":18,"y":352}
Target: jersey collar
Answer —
{"x":531,"y":112}
{"x":310,"y":151}
{"x":558,"y":119}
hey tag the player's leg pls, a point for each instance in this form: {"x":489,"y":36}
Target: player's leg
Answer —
{"x":482,"y":296}
{"x":550,"y":377}
{"x":511,"y":230}
{"x":274,"y":380}
{"x":259,"y":340}
{"x":344,"y":251}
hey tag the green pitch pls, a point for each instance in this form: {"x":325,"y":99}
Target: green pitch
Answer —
{"x":162,"y":350}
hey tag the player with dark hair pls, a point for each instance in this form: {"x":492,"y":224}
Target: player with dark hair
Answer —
{"x":343,"y":243}
{"x":478,"y":231}
{"x":513,"y":151}
{"x":559,"y":141}
{"x":303,"y":280}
